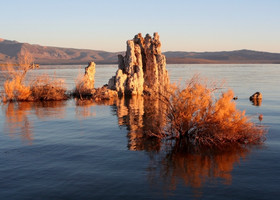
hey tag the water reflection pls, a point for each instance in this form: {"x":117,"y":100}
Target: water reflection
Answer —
{"x":195,"y":167}
{"x":18,"y":114}
{"x":170,"y":164}
{"x":84,"y":108}
{"x":17,"y":122}
{"x":141,"y":116}
{"x":174,"y":162}
{"x":256,"y":102}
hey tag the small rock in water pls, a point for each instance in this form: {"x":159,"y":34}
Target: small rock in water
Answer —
{"x":256,"y":99}
{"x":261,"y":117}
{"x":256,"y":95}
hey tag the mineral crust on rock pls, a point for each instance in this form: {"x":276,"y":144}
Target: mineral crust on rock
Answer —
{"x":89,"y":75}
{"x":142,"y":69}
{"x":85,"y":84}
{"x":85,"y":87}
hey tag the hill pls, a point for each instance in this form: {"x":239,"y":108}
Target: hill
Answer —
{"x":230,"y":57}
{"x":9,"y":51}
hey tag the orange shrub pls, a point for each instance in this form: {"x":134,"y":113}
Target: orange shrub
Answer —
{"x":193,"y":113}
{"x":15,"y":90}
{"x":44,"y":88}
{"x":40,"y":88}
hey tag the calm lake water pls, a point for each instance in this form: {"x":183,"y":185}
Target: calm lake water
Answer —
{"x":68,"y":150}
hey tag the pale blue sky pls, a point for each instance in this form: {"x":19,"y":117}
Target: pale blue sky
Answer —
{"x":184,"y":25}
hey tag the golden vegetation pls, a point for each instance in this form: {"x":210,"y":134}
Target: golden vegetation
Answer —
{"x":44,"y":88}
{"x":194,"y":114}
{"x":16,"y":87}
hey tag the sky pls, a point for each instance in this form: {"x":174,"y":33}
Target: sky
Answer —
{"x":183,"y":25}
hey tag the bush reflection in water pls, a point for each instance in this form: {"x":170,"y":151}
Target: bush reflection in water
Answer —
{"x":173,"y":161}
{"x":17,"y":122}
{"x":170,"y":162}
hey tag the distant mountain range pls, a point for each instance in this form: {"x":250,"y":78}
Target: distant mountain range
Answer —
{"x":9,"y":51}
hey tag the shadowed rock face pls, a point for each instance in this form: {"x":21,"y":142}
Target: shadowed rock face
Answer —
{"x":142,"y":69}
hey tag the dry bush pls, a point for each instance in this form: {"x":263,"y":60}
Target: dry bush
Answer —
{"x":44,"y":88}
{"x":196,"y":115}
{"x":40,"y":88}
{"x":14,"y":90}
{"x":14,"y":87}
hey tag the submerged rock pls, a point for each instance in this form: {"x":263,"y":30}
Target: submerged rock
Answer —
{"x":142,"y":69}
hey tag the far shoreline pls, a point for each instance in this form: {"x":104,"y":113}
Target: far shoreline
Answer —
{"x":114,"y":63}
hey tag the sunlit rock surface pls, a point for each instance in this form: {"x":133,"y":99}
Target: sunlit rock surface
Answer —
{"x":89,"y":75}
{"x":142,"y":69}
{"x":85,"y":83}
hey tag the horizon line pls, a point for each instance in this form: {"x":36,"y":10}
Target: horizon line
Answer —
{"x":189,"y":51}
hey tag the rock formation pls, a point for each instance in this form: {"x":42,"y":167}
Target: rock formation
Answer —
{"x":89,"y":75}
{"x":142,"y":69}
{"x":85,"y":84}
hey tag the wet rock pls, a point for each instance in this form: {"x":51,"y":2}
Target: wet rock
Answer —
{"x":142,"y":69}
{"x":256,"y":95}
{"x":256,"y":99}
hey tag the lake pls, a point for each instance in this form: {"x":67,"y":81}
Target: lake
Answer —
{"x":75,"y":150}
